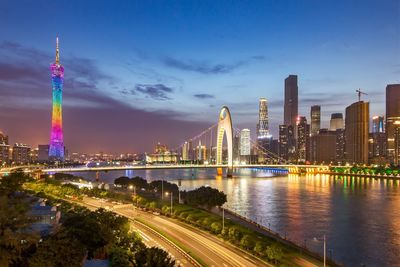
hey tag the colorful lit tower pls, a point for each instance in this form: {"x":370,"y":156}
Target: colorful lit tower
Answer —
{"x":56,"y":150}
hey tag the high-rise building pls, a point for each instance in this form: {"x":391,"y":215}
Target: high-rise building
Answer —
{"x":323,"y":146}
{"x":283,"y":141}
{"x":21,"y":154}
{"x":201,"y":152}
{"x":336,"y":121}
{"x":378,"y":124}
{"x":340,"y":144}
{"x":43,"y":153}
{"x":3,"y":138}
{"x":56,"y":151}
{"x":303,"y":135}
{"x":356,"y":134}
{"x":393,"y":122}
{"x":262,"y":126}
{"x":377,"y":147}
{"x":245,"y":142}
{"x":315,"y":119}
{"x":4,"y":154}
{"x":236,"y":147}
{"x":291,"y":101}
{"x":185,"y":151}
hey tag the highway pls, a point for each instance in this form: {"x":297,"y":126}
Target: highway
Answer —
{"x":211,"y":250}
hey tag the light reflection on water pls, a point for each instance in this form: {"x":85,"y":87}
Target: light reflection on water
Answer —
{"x":359,"y":216}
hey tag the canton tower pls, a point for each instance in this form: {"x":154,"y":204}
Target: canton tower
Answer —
{"x":56,"y":150}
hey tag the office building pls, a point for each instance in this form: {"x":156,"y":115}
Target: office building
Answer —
{"x":377,"y":147}
{"x":323,"y":146}
{"x":378,"y":124}
{"x":291,"y":101}
{"x":283,"y":142}
{"x":336,"y":122}
{"x":185,"y":151}
{"x":245,"y":142}
{"x":303,"y":134}
{"x":236,"y":148}
{"x":3,"y":138}
{"x":393,"y":122}
{"x":315,"y":119}
{"x":357,"y":130}
{"x":43,"y":153}
{"x":4,"y":154}
{"x":20,"y":154}
{"x":201,"y":152}
{"x":340,"y":145}
{"x":262,"y":126}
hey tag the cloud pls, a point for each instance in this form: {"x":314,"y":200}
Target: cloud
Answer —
{"x":201,"y":67}
{"x":155,"y":91}
{"x":204,"y":96}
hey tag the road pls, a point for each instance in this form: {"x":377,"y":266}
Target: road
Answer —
{"x":211,"y":250}
{"x":150,"y":237}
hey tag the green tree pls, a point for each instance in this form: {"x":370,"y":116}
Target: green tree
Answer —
{"x":122,"y":181}
{"x":274,"y":252}
{"x":259,"y":248}
{"x":247,"y":242}
{"x":204,"y":196}
{"x":234,"y":233}
{"x":58,"y":250}
{"x":153,"y":257}
{"x":216,"y":227}
{"x":120,"y":257}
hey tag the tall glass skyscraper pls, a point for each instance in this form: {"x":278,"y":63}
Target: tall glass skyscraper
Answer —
{"x":56,"y":150}
{"x":315,"y":119}
{"x":262,"y":126}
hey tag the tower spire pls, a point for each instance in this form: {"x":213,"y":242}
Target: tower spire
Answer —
{"x":57,"y":52}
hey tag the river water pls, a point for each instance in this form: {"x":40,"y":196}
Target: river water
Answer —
{"x":359,"y":216}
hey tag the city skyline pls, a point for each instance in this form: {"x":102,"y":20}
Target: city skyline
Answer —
{"x":144,"y":95}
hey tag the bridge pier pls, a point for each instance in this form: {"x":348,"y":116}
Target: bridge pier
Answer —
{"x":229,"y":172}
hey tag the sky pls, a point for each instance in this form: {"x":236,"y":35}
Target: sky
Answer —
{"x":141,"y":72}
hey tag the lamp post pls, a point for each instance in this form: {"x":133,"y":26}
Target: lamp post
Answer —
{"x":324,"y":239}
{"x":223,"y":219}
{"x":172,"y":196}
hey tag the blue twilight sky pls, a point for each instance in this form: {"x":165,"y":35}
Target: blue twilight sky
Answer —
{"x":137,"y":72}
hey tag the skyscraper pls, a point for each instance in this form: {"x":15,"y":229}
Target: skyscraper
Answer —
{"x":245,"y":142}
{"x":291,"y":101}
{"x":283,"y":141}
{"x":336,"y":122}
{"x":377,"y":124}
{"x":303,"y":135}
{"x":315,"y":119}
{"x":56,"y":151}
{"x":262,"y":126}
{"x":356,"y":134}
{"x":393,"y":122}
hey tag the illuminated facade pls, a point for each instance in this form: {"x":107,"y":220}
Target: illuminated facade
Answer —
{"x":393,"y":122}
{"x":56,"y":150}
{"x":225,"y":127}
{"x":315,"y":119}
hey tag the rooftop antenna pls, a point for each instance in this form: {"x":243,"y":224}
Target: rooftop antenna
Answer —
{"x":57,"y":52}
{"x":360,"y":93}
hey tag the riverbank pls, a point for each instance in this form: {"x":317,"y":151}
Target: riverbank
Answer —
{"x":309,"y":255}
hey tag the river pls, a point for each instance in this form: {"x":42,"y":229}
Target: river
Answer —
{"x":360,"y":217}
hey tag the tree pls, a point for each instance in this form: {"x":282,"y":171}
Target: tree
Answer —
{"x":247,"y":242}
{"x":234,"y":233}
{"x":120,"y":257}
{"x":274,"y":252}
{"x":153,"y":257}
{"x":58,"y":250}
{"x":216,"y":227}
{"x":259,"y":248}
{"x":122,"y":181}
{"x":13,"y":182}
{"x":204,"y":196}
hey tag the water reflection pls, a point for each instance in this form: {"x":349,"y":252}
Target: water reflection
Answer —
{"x":359,"y":216}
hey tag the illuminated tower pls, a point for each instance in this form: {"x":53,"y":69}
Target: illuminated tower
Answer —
{"x":56,"y":150}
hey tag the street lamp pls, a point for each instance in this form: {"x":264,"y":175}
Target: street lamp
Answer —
{"x":324,"y":239}
{"x":172,"y":195}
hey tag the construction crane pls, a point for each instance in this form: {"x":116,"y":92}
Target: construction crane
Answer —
{"x":360,"y":93}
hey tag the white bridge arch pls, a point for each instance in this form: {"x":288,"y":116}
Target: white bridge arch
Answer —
{"x":225,"y":127}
